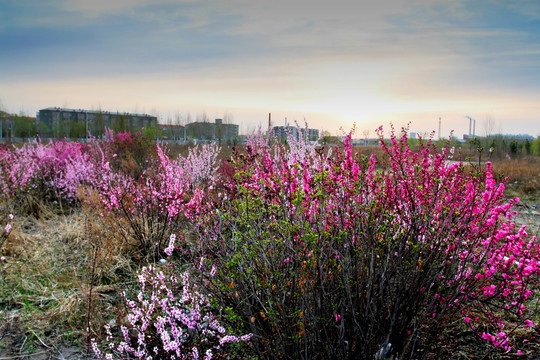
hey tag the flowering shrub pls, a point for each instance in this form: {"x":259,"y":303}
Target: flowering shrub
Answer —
{"x":169,"y":319}
{"x":50,"y":171}
{"x":16,"y":172}
{"x":127,"y":153}
{"x":318,"y":254}
{"x":200,"y":166}
{"x":150,"y":194}
{"x":4,"y":235}
{"x":349,"y":256}
{"x":166,"y":196}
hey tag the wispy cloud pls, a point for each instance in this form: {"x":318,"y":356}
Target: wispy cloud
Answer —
{"x":330,"y":57}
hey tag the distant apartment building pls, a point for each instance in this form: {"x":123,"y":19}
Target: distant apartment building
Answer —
{"x":216,"y":131}
{"x":282,"y":132}
{"x":6,"y":127}
{"x":172,"y":133}
{"x":78,"y":123}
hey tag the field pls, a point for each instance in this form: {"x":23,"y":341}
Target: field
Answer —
{"x":275,"y":252}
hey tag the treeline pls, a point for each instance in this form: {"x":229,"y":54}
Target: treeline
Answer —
{"x":495,"y":145}
{"x":18,"y":126}
{"x":507,"y":144}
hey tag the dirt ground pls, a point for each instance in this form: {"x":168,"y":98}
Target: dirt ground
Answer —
{"x":16,"y":343}
{"x":529,"y":214}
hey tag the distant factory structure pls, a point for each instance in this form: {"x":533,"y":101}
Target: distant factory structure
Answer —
{"x":282,"y":133}
{"x":78,"y":123}
{"x":217,"y":131}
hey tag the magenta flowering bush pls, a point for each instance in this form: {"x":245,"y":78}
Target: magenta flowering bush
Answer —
{"x":127,"y":153}
{"x":165,"y":197}
{"x":319,"y":254}
{"x":345,"y":256}
{"x":169,"y":319}
{"x":50,"y":171}
{"x":149,"y":194}
{"x":16,"y":172}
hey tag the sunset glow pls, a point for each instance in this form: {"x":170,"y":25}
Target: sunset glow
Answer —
{"x":333,"y":65}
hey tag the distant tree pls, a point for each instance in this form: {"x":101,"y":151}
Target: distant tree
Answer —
{"x":59,"y":128}
{"x":489,"y":126}
{"x":4,"y":126}
{"x":178,"y":119}
{"x":527,"y":147}
{"x":42,"y":129}
{"x":329,"y":139}
{"x":413,"y":143}
{"x":514,"y":147}
{"x":152,"y":132}
{"x":228,"y":118}
{"x":203,"y":118}
{"x":219,"y":133}
{"x":24,"y":126}
{"x":99,"y":124}
{"x":535,"y":146}
{"x":77,"y":130}
{"x":119,"y":124}
{"x":366,"y":135}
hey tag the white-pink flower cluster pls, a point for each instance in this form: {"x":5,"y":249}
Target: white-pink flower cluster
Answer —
{"x":161,"y":324}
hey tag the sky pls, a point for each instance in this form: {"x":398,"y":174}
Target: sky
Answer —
{"x":332,"y":64}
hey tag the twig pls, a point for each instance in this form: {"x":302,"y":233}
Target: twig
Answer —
{"x":41,"y":341}
{"x":48,"y":347}
{"x":24,"y":342}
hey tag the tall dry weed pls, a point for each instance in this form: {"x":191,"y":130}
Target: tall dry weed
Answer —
{"x":523,"y":175}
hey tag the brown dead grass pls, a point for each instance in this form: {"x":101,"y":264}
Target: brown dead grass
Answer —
{"x":52,"y":267}
{"x":523,"y":176}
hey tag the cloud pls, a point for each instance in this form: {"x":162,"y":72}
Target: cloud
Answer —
{"x":297,"y":56}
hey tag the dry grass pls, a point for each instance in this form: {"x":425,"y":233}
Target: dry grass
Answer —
{"x":52,"y":267}
{"x":523,"y":175}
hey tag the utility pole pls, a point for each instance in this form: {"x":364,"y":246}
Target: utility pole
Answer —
{"x":439,"y":128}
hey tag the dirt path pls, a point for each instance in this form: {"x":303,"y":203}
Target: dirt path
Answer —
{"x":529,"y":214}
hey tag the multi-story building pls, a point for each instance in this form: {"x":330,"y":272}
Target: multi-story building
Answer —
{"x":282,"y":132}
{"x":6,"y":127}
{"x":78,"y":123}
{"x":172,"y":133}
{"x":216,"y":131}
